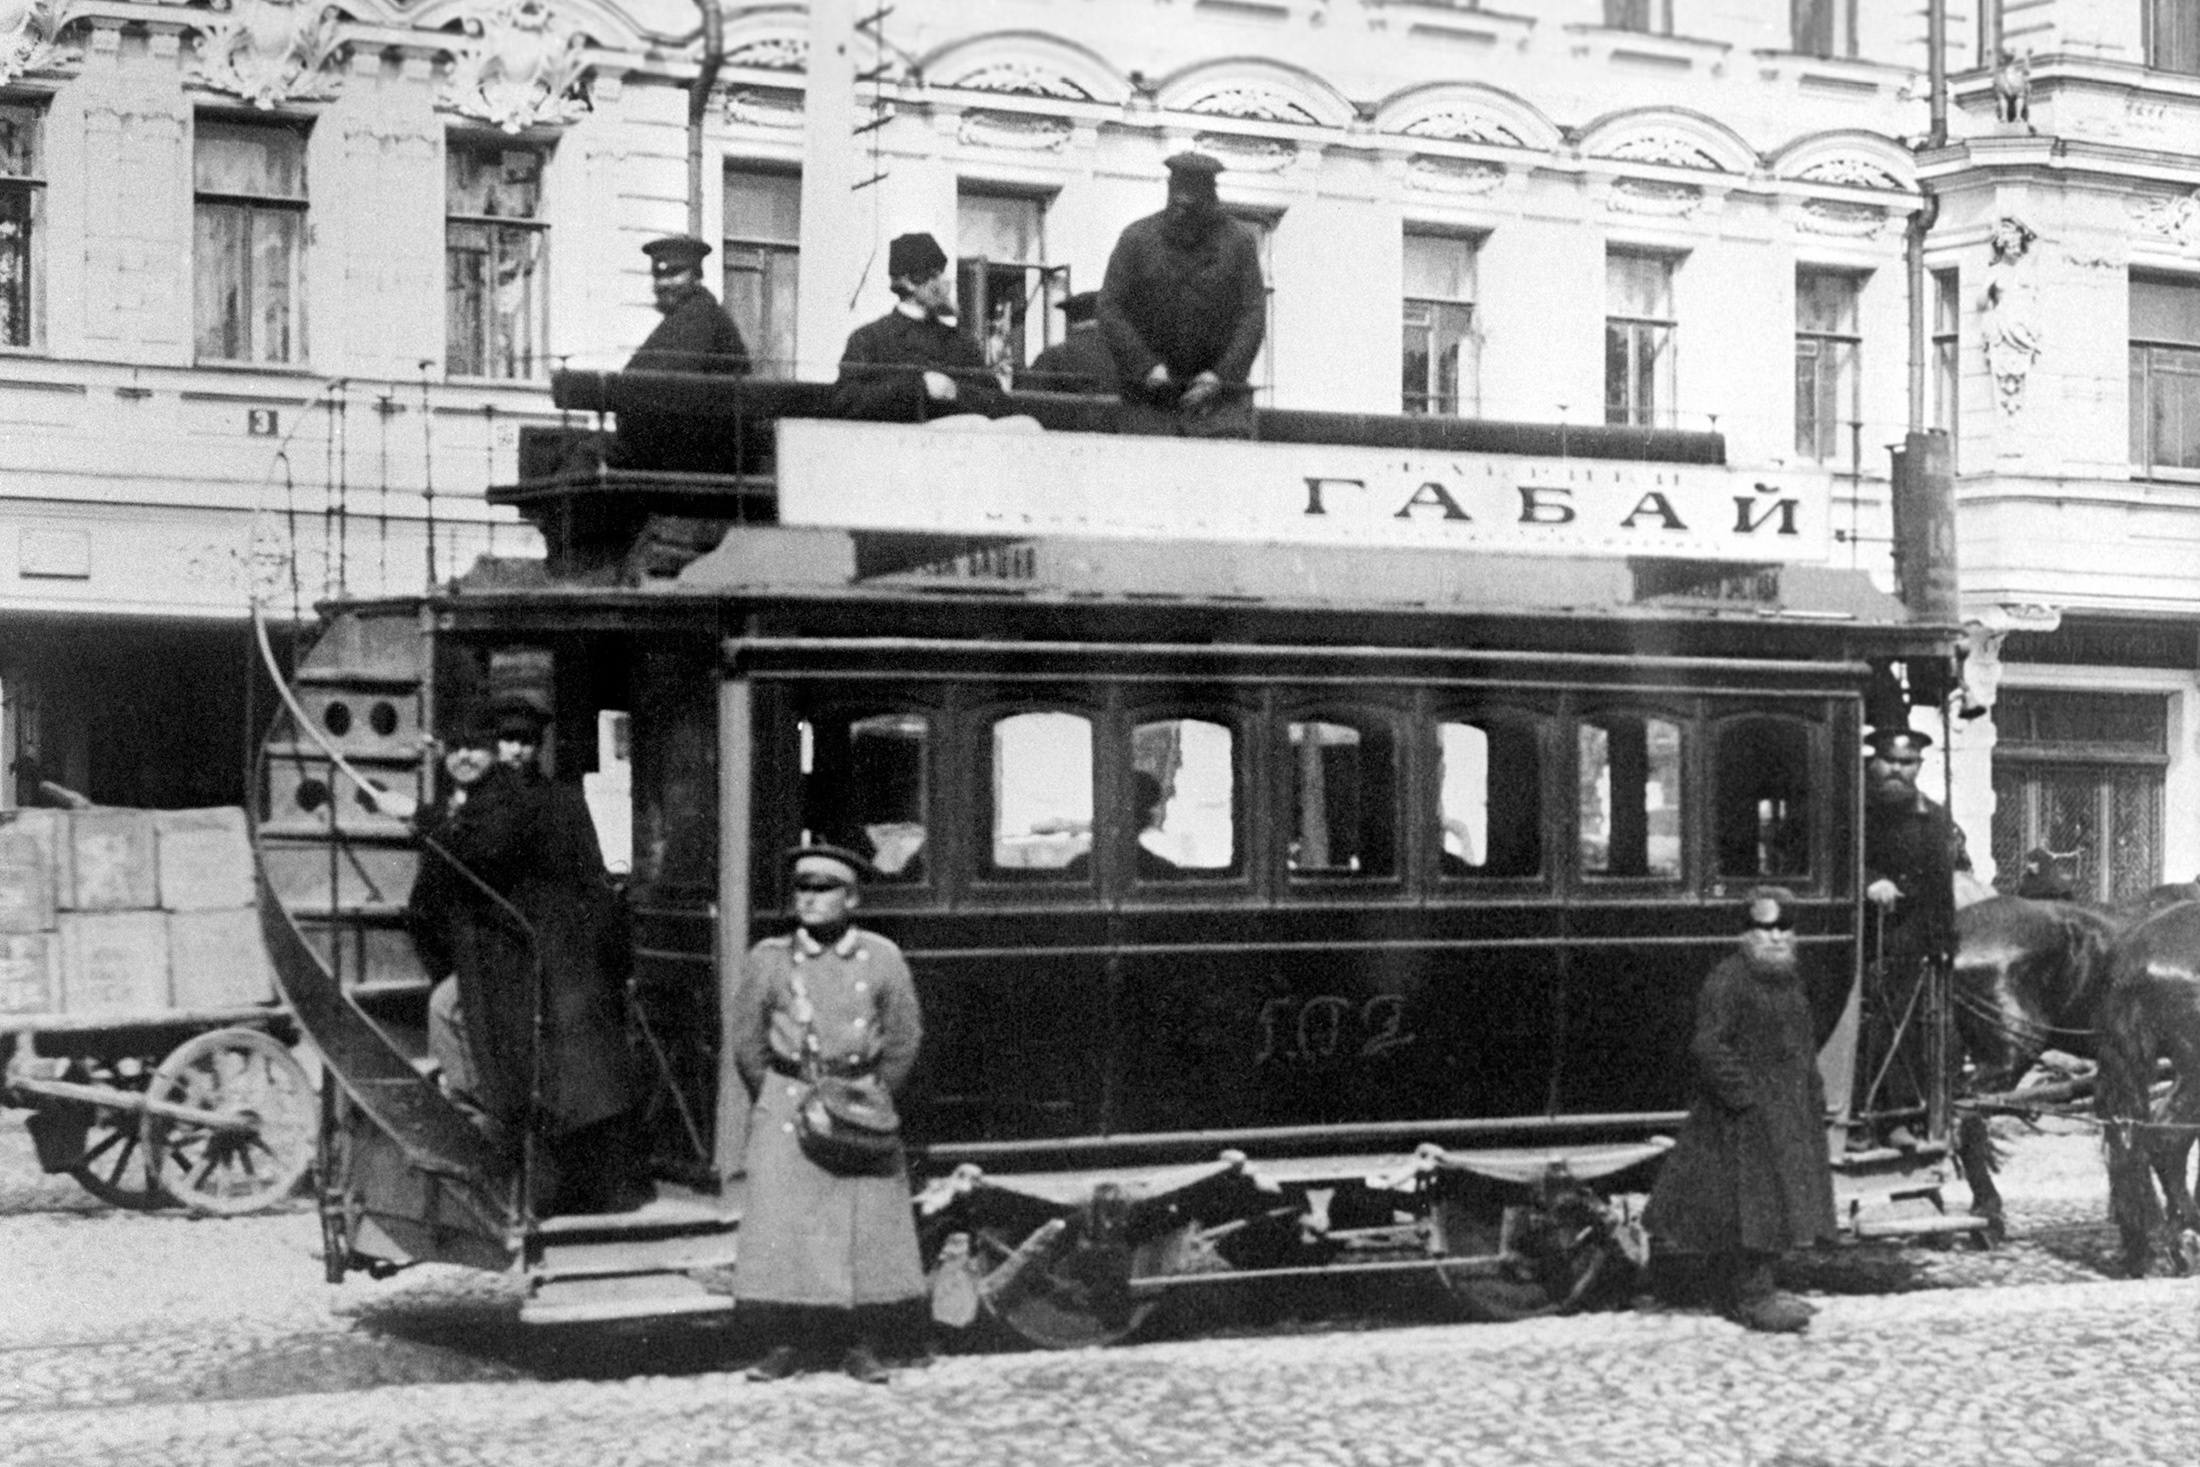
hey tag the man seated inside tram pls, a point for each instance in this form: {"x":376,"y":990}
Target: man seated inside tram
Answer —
{"x":914,"y":364}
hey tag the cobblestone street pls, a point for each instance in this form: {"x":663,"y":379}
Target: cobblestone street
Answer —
{"x":161,"y":1339}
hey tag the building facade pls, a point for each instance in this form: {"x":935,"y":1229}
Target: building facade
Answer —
{"x":281,"y":283}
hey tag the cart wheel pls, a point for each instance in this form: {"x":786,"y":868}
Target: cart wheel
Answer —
{"x":236,"y":1072}
{"x":113,"y":1165}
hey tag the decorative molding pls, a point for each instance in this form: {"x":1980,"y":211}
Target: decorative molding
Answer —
{"x":1664,"y":200}
{"x":1464,"y":125}
{"x":1022,"y":79}
{"x":1252,"y":102}
{"x":269,"y":51}
{"x":1242,"y":154}
{"x":1452,"y":175}
{"x":1014,"y":131}
{"x":772,"y":53}
{"x":1845,"y":221}
{"x":521,"y":66}
{"x":748,"y":107}
{"x":2010,"y":312}
{"x":1669,"y":148}
{"x":29,"y":39}
{"x":1852,"y":170}
{"x":2176,"y":220}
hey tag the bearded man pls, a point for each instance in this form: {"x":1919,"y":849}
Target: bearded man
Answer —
{"x":1749,"y":1180}
{"x":1184,"y":309}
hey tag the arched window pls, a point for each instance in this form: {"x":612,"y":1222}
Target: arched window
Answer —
{"x":1040,"y":796}
{"x":1763,"y":820}
{"x":1344,"y":797}
{"x":865,"y":786}
{"x":1630,"y":796}
{"x":1184,"y":799}
{"x":1489,"y":798}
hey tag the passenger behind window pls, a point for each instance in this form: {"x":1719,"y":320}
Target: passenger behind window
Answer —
{"x":1489,"y":801}
{"x":1148,"y":802}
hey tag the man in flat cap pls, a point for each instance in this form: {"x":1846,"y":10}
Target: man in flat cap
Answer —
{"x":914,"y":364}
{"x":1184,"y":309}
{"x":1911,"y":849}
{"x":1748,"y":1180}
{"x":827,"y":1261}
{"x":1080,"y":361}
{"x":696,"y":335}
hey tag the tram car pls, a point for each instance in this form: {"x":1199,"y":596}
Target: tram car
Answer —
{"x":1307,"y":848}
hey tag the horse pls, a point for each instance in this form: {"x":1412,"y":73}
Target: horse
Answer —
{"x":2151,"y":1013}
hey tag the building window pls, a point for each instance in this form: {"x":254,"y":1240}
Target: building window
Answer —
{"x":249,"y":252}
{"x":1262,"y":377}
{"x":1002,"y":285}
{"x":1826,"y":370}
{"x":2173,"y":35}
{"x":1824,"y":27}
{"x":763,"y":239}
{"x":2082,"y":772}
{"x":1439,"y":361}
{"x":495,"y":271}
{"x":22,"y":192}
{"x":2165,"y":374}
{"x":1638,"y":339}
{"x":1947,"y":355}
{"x":1650,"y":17}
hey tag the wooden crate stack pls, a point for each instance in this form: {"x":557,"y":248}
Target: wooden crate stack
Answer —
{"x":128,"y":913}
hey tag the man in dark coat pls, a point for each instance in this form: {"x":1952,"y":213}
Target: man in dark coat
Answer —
{"x":1911,"y":852}
{"x":531,"y":843}
{"x":824,"y":1258}
{"x":914,"y":364}
{"x":1079,"y":362}
{"x":696,"y":335}
{"x":1749,"y":1179}
{"x":1184,"y":309}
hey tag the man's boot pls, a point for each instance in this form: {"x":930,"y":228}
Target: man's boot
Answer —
{"x":1758,"y":1303}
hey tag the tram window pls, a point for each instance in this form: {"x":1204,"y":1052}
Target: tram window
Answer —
{"x":1763,"y":769}
{"x":1187,"y":768}
{"x":1042,"y":792}
{"x":863,"y":787}
{"x":1343,"y":800}
{"x":1489,"y":800}
{"x":1631,"y":797}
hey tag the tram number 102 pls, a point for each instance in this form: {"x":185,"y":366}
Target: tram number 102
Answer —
{"x":1329,"y":1027}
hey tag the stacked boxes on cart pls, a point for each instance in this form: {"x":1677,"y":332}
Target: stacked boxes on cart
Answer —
{"x":128,"y":912}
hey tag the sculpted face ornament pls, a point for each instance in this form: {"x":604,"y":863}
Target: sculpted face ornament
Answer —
{"x":269,"y":51}
{"x":519,"y":68}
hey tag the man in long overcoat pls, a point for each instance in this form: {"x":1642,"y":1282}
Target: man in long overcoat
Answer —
{"x":1184,"y":309}
{"x":1079,"y":362}
{"x":1749,"y":1179}
{"x":1911,"y":852}
{"x":696,"y":335}
{"x":914,"y":363}
{"x":824,"y":1258}
{"x":531,"y":842}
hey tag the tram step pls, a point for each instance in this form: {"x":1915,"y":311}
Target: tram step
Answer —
{"x":628,"y":1296}
{"x":635,"y":1256}
{"x":675,"y":1210}
{"x":1921,"y":1226}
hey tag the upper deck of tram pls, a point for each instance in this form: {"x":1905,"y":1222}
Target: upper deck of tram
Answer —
{"x":1590,"y":537}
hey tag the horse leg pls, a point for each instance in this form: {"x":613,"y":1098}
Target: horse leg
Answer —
{"x":1975,"y":1156}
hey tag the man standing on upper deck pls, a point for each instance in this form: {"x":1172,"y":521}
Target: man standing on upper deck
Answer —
{"x":913,"y":364}
{"x":1184,"y":310}
{"x":696,"y":335}
{"x":1079,"y":362}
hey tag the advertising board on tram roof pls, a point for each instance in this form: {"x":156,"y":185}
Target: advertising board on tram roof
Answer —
{"x":934,"y":480}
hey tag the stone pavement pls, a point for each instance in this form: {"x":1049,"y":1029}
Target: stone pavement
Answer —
{"x":159,"y":1339}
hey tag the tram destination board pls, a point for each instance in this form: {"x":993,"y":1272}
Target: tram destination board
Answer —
{"x":884,"y":477}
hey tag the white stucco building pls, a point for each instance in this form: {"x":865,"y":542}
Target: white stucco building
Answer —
{"x":1682,"y":212}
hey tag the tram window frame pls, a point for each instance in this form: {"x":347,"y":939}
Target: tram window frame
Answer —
{"x":930,"y":805}
{"x":1079,"y":876}
{"x":1686,"y":724}
{"x":1820,"y":782}
{"x":1363,"y":714}
{"x":1243,"y":724}
{"x":1542,"y":730}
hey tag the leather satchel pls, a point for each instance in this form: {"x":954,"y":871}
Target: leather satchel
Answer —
{"x":846,"y":1124}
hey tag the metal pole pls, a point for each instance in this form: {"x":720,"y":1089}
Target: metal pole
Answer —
{"x":714,"y":55}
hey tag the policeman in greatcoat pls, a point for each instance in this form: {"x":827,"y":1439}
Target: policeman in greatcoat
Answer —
{"x":914,"y":363}
{"x":1911,"y":852}
{"x":1184,"y":308}
{"x":825,"y":1259}
{"x":1749,"y":1178}
{"x":531,"y":842}
{"x":1079,"y":362}
{"x":696,"y":335}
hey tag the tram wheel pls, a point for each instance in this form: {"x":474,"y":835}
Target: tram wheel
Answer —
{"x":241,"y":1073}
{"x":112,"y":1166}
{"x":1560,"y":1265}
{"x":1076,"y":1294}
